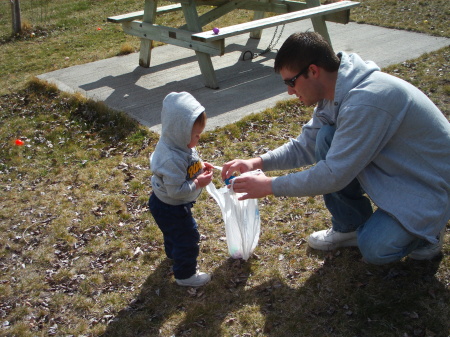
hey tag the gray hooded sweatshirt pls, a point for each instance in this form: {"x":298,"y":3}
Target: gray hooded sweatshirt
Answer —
{"x":173,"y":164}
{"x":389,"y":136}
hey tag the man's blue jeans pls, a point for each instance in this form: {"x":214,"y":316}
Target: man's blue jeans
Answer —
{"x":181,"y":236}
{"x":381,"y":238}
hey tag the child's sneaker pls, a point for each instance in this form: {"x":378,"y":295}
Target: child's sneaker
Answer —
{"x":196,"y":280}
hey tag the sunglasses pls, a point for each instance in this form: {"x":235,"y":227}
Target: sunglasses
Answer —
{"x":291,"y":82}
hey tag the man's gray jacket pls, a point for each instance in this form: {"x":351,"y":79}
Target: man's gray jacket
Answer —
{"x":389,"y":135}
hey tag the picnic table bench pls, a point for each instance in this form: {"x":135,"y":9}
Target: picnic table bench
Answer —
{"x":207,"y":44}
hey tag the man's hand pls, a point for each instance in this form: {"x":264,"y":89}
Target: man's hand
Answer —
{"x":241,"y":166}
{"x":255,"y":186}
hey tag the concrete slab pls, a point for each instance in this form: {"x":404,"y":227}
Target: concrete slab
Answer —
{"x":245,"y":86}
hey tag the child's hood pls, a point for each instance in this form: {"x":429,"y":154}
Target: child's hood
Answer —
{"x":179,"y":112}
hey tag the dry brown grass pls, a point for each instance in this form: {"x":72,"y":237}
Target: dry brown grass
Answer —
{"x":80,"y":254}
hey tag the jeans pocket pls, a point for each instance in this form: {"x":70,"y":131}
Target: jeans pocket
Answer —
{"x":183,"y":211}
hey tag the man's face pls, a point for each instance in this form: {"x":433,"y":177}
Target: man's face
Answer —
{"x":306,"y":89}
{"x":195,"y":135}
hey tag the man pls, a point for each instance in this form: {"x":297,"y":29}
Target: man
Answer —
{"x":371,"y":134}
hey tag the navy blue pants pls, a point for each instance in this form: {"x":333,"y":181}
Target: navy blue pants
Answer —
{"x":181,"y":237}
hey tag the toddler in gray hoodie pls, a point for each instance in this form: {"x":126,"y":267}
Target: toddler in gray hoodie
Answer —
{"x":178,"y":178}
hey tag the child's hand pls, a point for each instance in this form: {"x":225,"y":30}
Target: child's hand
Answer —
{"x":204,"y":179}
{"x":208,"y":166}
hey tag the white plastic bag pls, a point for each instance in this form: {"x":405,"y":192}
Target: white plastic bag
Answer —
{"x":242,"y":221}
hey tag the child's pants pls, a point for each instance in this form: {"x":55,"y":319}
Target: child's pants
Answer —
{"x":181,"y":236}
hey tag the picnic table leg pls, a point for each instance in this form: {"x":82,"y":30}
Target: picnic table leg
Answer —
{"x":146,"y":44}
{"x":319,"y":23}
{"x":204,"y":59}
{"x":256,"y":16}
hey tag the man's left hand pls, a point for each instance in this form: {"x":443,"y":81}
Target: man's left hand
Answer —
{"x":255,"y":186}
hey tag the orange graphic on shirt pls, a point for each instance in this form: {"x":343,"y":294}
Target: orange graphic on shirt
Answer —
{"x":194,"y":169}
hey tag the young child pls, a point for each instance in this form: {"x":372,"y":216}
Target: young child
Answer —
{"x":178,"y":178}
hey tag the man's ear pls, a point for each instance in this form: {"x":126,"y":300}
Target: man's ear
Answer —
{"x":314,"y":70}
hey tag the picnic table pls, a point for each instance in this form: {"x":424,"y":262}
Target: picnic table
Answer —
{"x":206,"y":44}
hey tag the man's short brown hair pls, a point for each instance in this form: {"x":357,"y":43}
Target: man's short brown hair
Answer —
{"x":302,"y":49}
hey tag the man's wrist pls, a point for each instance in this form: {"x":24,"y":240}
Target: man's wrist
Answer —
{"x":269,"y":186}
{"x":256,"y":163}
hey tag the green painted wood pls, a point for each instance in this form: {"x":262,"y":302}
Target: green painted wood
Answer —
{"x":174,"y":36}
{"x":216,"y":13}
{"x":204,"y":59}
{"x":275,"y":21}
{"x":318,"y":22}
{"x":263,"y":6}
{"x":140,"y":14}
{"x":257,"y":15}
{"x":145,"y":52}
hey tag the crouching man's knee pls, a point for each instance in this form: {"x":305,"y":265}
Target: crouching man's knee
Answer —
{"x":382,"y":239}
{"x":377,"y":256}
{"x":377,"y":252}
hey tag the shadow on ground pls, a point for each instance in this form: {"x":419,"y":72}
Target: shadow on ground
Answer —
{"x":365,"y":301}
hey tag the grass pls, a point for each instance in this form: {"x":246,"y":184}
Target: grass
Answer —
{"x":80,"y":254}
{"x":429,"y":17}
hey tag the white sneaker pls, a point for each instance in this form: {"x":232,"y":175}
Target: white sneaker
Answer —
{"x":430,"y":250}
{"x":329,"y":239}
{"x":196,"y":280}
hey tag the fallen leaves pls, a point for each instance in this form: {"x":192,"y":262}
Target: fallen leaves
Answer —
{"x":98,"y":211}
{"x":195,"y":292}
